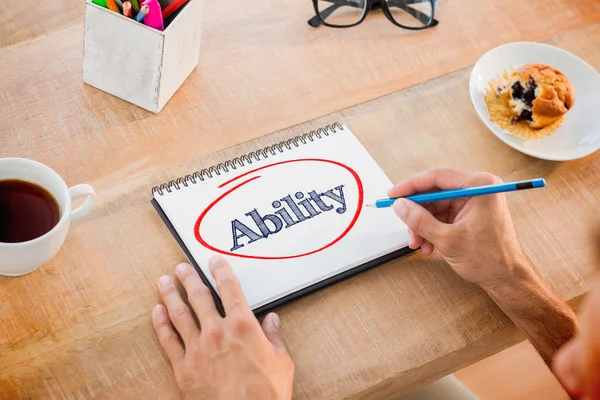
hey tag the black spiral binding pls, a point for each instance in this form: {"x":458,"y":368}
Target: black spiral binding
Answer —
{"x":207,"y":173}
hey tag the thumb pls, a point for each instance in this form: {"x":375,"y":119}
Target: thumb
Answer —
{"x":419,"y":220}
{"x":270,"y":327}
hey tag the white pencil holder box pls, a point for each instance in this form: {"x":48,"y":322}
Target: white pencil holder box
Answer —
{"x":137,"y":63}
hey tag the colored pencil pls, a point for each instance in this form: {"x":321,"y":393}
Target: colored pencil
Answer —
{"x":171,"y":8}
{"x":119,"y":4}
{"x":101,"y":3}
{"x":142,"y":14}
{"x":464,"y":192}
{"x":112,"y":5}
{"x":127,"y":9}
{"x":135,"y":5}
{"x":154,"y":18}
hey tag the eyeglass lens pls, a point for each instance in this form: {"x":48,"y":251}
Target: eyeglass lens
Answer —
{"x":411,"y":13}
{"x":341,"y":12}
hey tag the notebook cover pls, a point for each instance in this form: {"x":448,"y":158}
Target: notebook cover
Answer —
{"x":292,"y":296}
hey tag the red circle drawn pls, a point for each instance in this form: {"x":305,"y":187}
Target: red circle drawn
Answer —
{"x":211,"y":205}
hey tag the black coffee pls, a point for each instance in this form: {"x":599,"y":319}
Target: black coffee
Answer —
{"x":27,"y":211}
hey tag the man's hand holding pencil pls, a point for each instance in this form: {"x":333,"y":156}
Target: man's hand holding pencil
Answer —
{"x":476,"y":236}
{"x":464,"y":230}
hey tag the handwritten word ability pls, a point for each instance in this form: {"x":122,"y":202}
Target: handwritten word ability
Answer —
{"x":288,"y":212}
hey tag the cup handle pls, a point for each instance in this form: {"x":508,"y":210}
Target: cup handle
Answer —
{"x":78,"y":191}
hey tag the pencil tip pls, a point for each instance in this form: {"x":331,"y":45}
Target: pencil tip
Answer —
{"x":370,"y":205}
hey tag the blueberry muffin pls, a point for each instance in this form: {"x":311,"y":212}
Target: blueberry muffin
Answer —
{"x":530,"y":102}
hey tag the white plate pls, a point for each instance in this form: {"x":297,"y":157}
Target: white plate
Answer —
{"x":579,"y":134}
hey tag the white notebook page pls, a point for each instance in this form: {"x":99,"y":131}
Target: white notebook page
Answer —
{"x":290,"y":220}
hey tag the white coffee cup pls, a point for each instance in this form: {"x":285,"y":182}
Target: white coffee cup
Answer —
{"x":25,"y":257}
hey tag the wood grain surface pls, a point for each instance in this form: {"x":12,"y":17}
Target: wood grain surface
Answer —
{"x":80,"y":326}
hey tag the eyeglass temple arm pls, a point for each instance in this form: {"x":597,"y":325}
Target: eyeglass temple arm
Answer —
{"x":403,"y":4}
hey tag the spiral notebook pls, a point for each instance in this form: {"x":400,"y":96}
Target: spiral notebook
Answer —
{"x":290,"y":218}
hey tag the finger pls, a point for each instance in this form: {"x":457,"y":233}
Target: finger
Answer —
{"x":198,"y":294}
{"x":432,"y":210}
{"x":427,"y":248}
{"x":415,"y":241}
{"x":167,"y":337}
{"x":430,"y":180}
{"x":228,"y":286}
{"x":441,"y":178}
{"x":270,"y":327}
{"x":179,"y":313}
{"x":411,"y":238}
{"x":420,"y":221}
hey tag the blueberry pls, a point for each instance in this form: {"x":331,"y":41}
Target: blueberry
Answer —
{"x":529,"y":96}
{"x":517,"y":90}
{"x":525,"y":116}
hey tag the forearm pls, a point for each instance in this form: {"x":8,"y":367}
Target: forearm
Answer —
{"x":537,"y":310}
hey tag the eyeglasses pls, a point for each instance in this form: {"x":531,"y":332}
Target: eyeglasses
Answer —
{"x":407,"y":14}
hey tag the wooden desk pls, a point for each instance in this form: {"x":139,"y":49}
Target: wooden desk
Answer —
{"x":80,"y":326}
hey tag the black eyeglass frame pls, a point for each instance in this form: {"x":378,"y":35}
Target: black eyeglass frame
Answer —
{"x":373,"y":5}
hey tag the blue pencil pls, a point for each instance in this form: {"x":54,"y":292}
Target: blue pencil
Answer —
{"x":142,"y":14}
{"x":464,"y":192}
